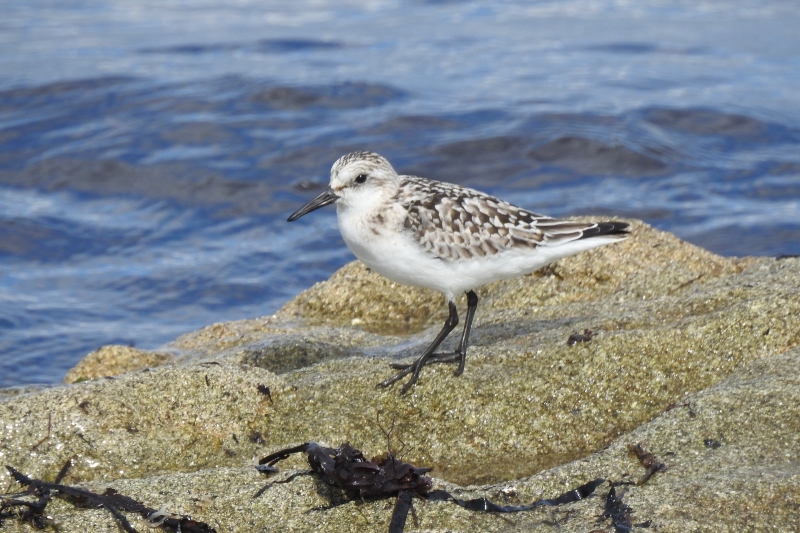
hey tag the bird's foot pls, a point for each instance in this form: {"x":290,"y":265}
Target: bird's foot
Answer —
{"x":409,"y":369}
{"x":415,"y":368}
{"x":397,"y":377}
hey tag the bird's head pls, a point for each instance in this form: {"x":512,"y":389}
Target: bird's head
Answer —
{"x":357,"y":178}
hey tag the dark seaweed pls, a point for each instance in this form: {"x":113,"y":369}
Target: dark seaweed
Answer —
{"x":483,"y":504}
{"x":618,"y":511}
{"x":347,"y":468}
{"x":111,"y":500}
{"x":649,"y":461}
{"x":575,"y":338}
{"x":688,"y":405}
{"x":263,"y":389}
{"x":402,"y":505}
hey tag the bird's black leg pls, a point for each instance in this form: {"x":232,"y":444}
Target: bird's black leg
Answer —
{"x":460,"y":354}
{"x":472,"y":305}
{"x":414,"y":369}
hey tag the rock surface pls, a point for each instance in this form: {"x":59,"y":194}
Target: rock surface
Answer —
{"x":113,"y":360}
{"x":692,"y":355}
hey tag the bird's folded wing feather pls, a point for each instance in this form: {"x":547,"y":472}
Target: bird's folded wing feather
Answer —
{"x":453,"y":223}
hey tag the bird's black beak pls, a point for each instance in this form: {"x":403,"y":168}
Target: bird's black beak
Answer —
{"x":327,"y":197}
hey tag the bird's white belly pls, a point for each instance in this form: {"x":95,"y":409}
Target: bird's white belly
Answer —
{"x":398,"y":257}
{"x":393,"y":253}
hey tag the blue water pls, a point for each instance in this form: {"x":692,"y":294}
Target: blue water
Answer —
{"x":150,"y":151}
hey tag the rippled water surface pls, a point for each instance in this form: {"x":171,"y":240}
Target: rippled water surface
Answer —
{"x":151,"y":151}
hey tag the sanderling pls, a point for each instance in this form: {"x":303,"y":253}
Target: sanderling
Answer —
{"x":444,"y":237}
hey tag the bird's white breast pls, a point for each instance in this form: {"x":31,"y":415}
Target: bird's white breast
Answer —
{"x":382,"y":243}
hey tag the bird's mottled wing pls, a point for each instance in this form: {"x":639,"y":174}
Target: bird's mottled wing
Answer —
{"x":453,"y":222}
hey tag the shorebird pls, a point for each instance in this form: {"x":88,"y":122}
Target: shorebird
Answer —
{"x":444,"y":237}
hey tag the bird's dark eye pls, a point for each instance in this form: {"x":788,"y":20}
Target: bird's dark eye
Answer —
{"x":361,"y":178}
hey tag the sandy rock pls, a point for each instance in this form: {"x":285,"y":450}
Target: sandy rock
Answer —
{"x":729,"y":449}
{"x":173,"y":418}
{"x":113,"y":360}
{"x":671,"y":322}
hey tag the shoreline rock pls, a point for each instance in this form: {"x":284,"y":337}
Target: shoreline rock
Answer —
{"x":672,"y":323}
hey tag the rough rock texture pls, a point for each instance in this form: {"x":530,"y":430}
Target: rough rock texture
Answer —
{"x":671,"y":323}
{"x":169,"y":419}
{"x":113,"y":360}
